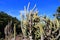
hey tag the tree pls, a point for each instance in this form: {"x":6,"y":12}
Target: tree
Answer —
{"x":58,"y":10}
{"x":57,"y":15}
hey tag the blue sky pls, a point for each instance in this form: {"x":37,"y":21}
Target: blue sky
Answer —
{"x":45,"y":7}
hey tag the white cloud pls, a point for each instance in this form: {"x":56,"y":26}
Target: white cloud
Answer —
{"x":22,"y":11}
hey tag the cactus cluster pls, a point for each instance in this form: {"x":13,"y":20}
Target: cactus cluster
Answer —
{"x":40,"y":28}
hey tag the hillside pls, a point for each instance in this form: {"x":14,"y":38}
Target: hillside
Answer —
{"x":4,"y":19}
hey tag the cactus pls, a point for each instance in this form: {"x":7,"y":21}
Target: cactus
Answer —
{"x":14,"y":31}
{"x":39,"y":27}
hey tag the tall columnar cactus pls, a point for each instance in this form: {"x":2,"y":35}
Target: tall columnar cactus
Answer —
{"x":23,"y":26}
{"x":14,"y":31}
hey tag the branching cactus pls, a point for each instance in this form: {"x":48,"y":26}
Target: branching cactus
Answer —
{"x":25,"y":24}
{"x":39,"y":28}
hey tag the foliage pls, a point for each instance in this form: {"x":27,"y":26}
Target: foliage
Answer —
{"x":57,"y":15}
{"x":4,"y":19}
